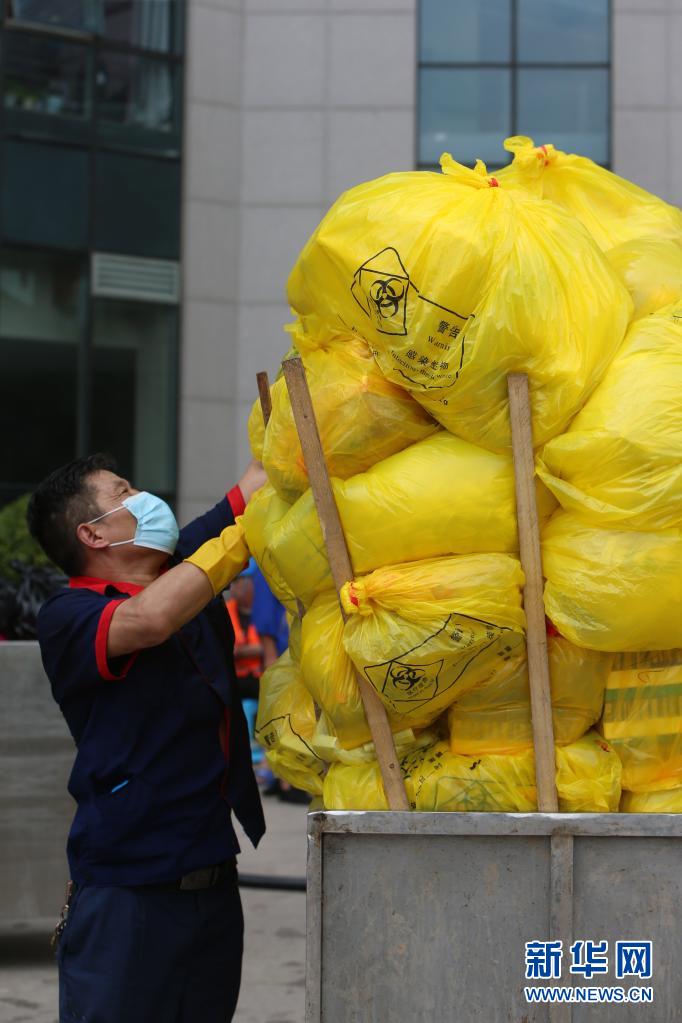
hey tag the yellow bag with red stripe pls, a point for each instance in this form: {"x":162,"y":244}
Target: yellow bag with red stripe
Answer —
{"x":455,"y":281}
{"x":420,"y":634}
{"x":612,"y":209}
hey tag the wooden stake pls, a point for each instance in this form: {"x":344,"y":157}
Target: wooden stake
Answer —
{"x":264,"y":395}
{"x":341,"y":569}
{"x":531,"y":562}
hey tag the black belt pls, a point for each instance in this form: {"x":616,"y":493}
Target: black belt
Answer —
{"x":197,"y":880}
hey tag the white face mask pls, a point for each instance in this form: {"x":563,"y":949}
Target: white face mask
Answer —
{"x":156,"y":526}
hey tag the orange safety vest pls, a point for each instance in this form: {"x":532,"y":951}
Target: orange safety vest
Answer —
{"x":251,"y":665}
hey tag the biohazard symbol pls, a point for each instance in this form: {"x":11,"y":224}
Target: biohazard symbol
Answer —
{"x":380,"y":287}
{"x":405,"y":686}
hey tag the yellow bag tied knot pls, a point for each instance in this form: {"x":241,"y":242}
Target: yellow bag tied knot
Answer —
{"x":612,"y":209}
{"x":354,"y":599}
{"x":223,"y":557}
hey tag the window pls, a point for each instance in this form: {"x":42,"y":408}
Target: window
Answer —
{"x":42,"y":315}
{"x":90,"y":136}
{"x":512,"y":67}
{"x":133,"y":389}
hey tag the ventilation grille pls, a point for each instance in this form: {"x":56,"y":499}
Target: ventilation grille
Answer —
{"x":145,"y":280}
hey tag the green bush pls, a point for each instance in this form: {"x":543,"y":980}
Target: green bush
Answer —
{"x":16,"y":543}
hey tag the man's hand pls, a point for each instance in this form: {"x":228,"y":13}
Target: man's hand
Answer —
{"x":253,"y":479}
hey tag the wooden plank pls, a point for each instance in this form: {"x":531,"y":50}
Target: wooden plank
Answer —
{"x":264,"y":395}
{"x":341,"y":569}
{"x":561,"y":909}
{"x":531,"y":562}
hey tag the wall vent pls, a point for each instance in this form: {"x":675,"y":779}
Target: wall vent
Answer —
{"x":144,"y":280}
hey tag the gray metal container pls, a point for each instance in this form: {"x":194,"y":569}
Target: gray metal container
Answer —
{"x":424,"y":916}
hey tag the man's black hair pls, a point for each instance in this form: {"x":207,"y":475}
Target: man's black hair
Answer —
{"x":60,"y":504}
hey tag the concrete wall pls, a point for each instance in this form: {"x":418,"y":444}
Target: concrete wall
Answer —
{"x":36,"y":755}
{"x":647,"y":94}
{"x":309,"y":97}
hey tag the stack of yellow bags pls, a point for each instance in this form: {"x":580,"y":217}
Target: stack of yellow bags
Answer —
{"x":414,"y":298}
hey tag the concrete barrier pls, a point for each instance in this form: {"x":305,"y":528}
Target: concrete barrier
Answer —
{"x":36,"y":755}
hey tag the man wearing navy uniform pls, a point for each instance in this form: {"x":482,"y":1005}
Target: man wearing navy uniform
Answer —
{"x":138,"y":651}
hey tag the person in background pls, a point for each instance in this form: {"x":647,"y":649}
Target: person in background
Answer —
{"x":139,"y":654}
{"x":248,"y":650}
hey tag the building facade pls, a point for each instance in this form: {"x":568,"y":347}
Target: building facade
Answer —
{"x":198,"y":145}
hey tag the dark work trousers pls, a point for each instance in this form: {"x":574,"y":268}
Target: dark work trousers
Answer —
{"x":151,"y":955}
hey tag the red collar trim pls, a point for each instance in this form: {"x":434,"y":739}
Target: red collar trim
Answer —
{"x":99,"y":585}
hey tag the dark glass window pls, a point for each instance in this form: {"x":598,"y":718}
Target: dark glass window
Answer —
{"x":463,"y":109}
{"x":568,"y":107}
{"x":563,"y":31}
{"x":42,"y":312}
{"x":137,"y":205}
{"x":133,"y":393}
{"x":70,"y":14}
{"x":45,"y":193}
{"x":137,"y":102}
{"x":466,"y":32}
{"x":525,"y":67}
{"x":45,"y":75}
{"x":150,"y":24}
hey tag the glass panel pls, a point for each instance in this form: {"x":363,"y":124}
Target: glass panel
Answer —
{"x":45,"y":195}
{"x":45,"y":76}
{"x":137,"y":205}
{"x":141,"y":23}
{"x":134,"y":390}
{"x":464,"y":112}
{"x":563,"y":31}
{"x":460,"y":31}
{"x":136,"y":91}
{"x":74,"y":14}
{"x":42,"y":309}
{"x":568,"y":108}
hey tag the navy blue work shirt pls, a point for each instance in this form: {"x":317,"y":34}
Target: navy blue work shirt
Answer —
{"x":163,"y":750}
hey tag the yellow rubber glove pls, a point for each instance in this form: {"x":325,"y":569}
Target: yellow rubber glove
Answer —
{"x":223,"y":557}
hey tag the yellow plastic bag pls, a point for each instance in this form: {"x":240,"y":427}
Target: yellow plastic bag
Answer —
{"x":329,"y":676}
{"x":643,"y":718}
{"x":438,"y":497}
{"x":456,"y":282}
{"x":668,"y":801}
{"x":285,"y":726}
{"x":362,"y":418}
{"x":620,"y":463}
{"x":651,"y":270}
{"x":495,"y":717}
{"x":612,"y":209}
{"x":326,"y":744}
{"x":613,"y":590}
{"x":425,"y":632}
{"x":587,"y":777}
{"x":265,"y":509}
